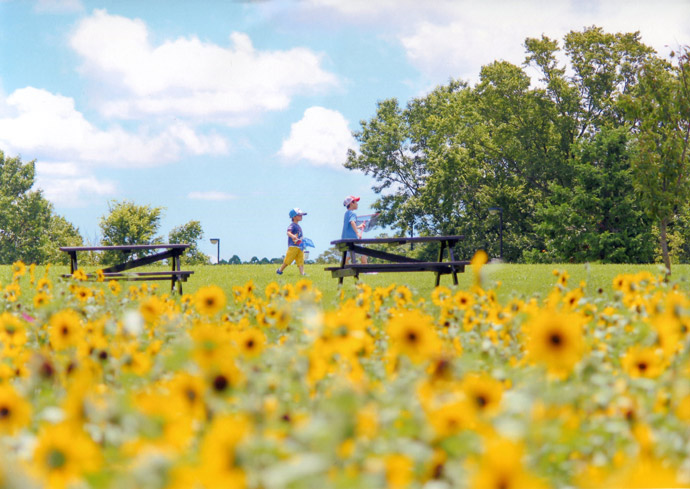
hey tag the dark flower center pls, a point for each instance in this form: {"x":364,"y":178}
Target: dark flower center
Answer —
{"x":220,"y":383}
{"x":56,"y":459}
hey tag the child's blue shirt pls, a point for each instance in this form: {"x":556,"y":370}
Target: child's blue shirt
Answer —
{"x":295,"y":229}
{"x":348,"y":232}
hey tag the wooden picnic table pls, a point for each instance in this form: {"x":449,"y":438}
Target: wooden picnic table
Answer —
{"x":395,"y":262}
{"x":173,"y":252}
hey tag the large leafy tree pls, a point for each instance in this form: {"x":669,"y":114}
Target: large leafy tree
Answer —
{"x":29,"y":229}
{"x":190,"y":233}
{"x":660,"y":107}
{"x":129,"y":224}
{"x":443,"y":160}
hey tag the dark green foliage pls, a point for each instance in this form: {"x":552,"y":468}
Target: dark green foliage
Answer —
{"x":29,"y":230}
{"x":554,"y":155}
{"x":598,"y":217}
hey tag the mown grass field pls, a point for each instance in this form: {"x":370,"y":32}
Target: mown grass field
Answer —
{"x":508,"y":280}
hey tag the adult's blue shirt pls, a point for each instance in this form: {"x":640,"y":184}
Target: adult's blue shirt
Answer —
{"x":348,"y":232}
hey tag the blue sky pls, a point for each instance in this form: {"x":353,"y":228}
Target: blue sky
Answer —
{"x":232,"y":113}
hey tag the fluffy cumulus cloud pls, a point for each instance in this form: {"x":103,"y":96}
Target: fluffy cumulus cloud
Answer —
{"x":322,"y":137}
{"x":191,"y":78}
{"x":70,"y":185}
{"x":69,"y":148}
{"x":49,"y":127}
{"x":456,"y":37}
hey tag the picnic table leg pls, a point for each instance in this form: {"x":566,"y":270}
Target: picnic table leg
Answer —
{"x":440,"y":259}
{"x":72,"y":262}
{"x":342,"y":265}
{"x":451,"y":257}
{"x":176,"y":279}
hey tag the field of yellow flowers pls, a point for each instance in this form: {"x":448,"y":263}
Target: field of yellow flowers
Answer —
{"x":107,"y":385}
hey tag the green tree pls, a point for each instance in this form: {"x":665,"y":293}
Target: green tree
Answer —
{"x":60,"y":232}
{"x":331,"y":255}
{"x":190,"y":233}
{"x":445,"y":158}
{"x":660,"y":107}
{"x":235,"y":260}
{"x":129,"y":224}
{"x":29,"y":229}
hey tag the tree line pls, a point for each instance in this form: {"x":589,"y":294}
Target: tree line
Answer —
{"x":587,"y":163}
{"x":32,"y":232}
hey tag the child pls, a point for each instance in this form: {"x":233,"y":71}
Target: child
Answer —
{"x":294,"y":251}
{"x":350,"y":228}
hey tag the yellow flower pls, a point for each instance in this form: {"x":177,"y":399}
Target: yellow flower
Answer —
{"x":463,"y":300}
{"x":12,"y":292}
{"x":64,"y":454}
{"x":412,"y":334}
{"x":479,"y":259}
{"x":80,"y":275}
{"x":555,"y":340}
{"x":218,"y":467}
{"x":151,"y":308}
{"x":251,"y":342}
{"x":272,"y":290}
{"x":399,"y":471}
{"x":223,"y":377}
{"x":451,"y":417}
{"x":501,"y":466}
{"x":12,"y":330}
{"x":640,"y":361}
{"x":82,"y":293}
{"x":41,"y":299}
{"x":114,"y":287}
{"x":440,"y":295}
{"x":18,"y":270}
{"x":187,"y":391}
{"x":209,"y":300}
{"x":44,"y":285}
{"x":65,"y":329}
{"x":483,"y":392}
{"x":15,"y":411}
{"x":100,"y":276}
{"x":644,"y":472}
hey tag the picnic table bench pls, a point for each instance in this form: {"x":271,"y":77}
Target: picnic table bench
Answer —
{"x":395,"y":262}
{"x":121,"y":271}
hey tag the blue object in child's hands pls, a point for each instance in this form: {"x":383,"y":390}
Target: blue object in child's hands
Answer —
{"x":306,"y":242}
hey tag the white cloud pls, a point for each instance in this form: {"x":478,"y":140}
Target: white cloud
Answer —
{"x":322,"y":137}
{"x":67,"y":185}
{"x":211,"y":195}
{"x":189,"y":77}
{"x":455,"y":38}
{"x":48,"y":127}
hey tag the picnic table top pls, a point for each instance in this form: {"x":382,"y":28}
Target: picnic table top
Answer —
{"x":399,"y":240}
{"x":125,"y":247}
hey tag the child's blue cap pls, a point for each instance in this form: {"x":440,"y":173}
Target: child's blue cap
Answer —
{"x":296,"y":212}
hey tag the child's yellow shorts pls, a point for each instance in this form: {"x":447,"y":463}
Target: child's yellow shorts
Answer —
{"x":294,"y":254}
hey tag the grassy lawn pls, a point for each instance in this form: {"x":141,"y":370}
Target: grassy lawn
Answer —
{"x":512,"y":280}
